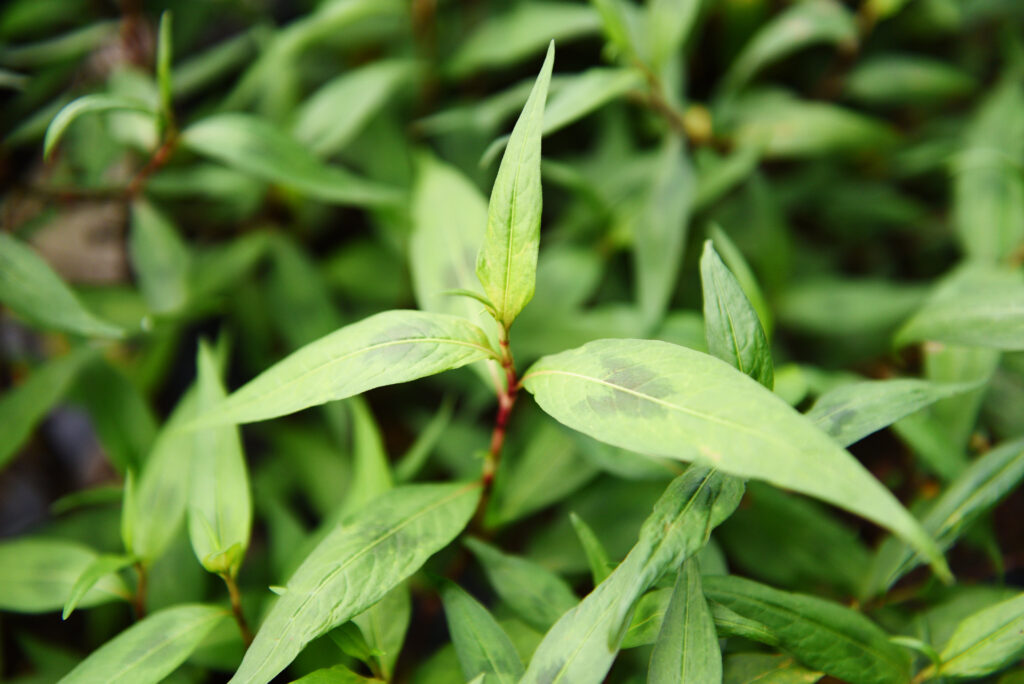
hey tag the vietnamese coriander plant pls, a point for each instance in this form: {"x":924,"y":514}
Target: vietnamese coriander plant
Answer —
{"x":723,"y":425}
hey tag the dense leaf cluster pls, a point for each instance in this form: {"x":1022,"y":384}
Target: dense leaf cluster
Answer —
{"x":710,"y":370}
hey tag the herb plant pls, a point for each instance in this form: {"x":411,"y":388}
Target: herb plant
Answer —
{"x":728,"y":385}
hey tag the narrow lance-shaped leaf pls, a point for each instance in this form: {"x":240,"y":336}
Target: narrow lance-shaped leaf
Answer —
{"x":160,"y":258}
{"x":731,"y":326}
{"x":733,"y":258}
{"x":988,"y":190}
{"x":354,"y":566}
{"x":986,"y":641}
{"x":577,"y":96}
{"x":37,"y":575}
{"x":338,"y":674}
{"x":762,"y":668}
{"x":449,"y":224}
{"x":974,"y":306}
{"x":371,"y":473}
{"x":507,"y":263}
{"x":979,"y":488}
{"x":482,"y":645}
{"x":22,"y":407}
{"x":154,"y":505}
{"x":220,"y":506}
{"x":521,"y":32}
{"x":85,"y":105}
{"x":257,"y":147}
{"x":388,"y":348}
{"x":664,"y":400}
{"x":537,"y":595}
{"x":660,"y":229}
{"x":802,"y":24}
{"x":101,"y":567}
{"x":384,"y":626}
{"x":668,"y":24}
{"x":332,"y":116}
{"x":30,"y":287}
{"x":851,"y":412}
{"x":164,"y":55}
{"x":687,"y":648}
{"x":597,"y":556}
{"x":582,"y":645}
{"x":149,"y":650}
{"x":821,"y":634}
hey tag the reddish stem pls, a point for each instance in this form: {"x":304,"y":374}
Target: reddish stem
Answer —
{"x":159,"y":158}
{"x":139,"y":600}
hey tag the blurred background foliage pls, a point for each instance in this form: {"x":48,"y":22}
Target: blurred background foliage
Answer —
{"x":310,"y":163}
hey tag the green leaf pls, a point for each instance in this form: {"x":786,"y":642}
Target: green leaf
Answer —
{"x":332,"y":116}
{"x":905,"y":79}
{"x":765,"y":668}
{"x":651,"y":609}
{"x":801,"y":25}
{"x":617,"y":24}
{"x":23,"y":406}
{"x":507,"y":263}
{"x":660,"y":229}
{"x":851,"y":412}
{"x":388,"y":348}
{"x":37,"y":574}
{"x":30,"y":287}
{"x":663,"y":400}
{"x":415,"y":457}
{"x":384,"y":625}
{"x":96,"y":571}
{"x":339,"y":674}
{"x":985,"y":642}
{"x":973,"y":366}
{"x":86,"y":105}
{"x":597,"y":556}
{"x":480,"y":642}
{"x":733,"y":258}
{"x":582,"y":645}
{"x":930,"y":442}
{"x":974,"y":306}
{"x":164,"y":55}
{"x":979,"y":488}
{"x":820,"y":634}
{"x":160,"y":258}
{"x":525,"y":30}
{"x":988,"y":190}
{"x":449,"y":224}
{"x":371,"y":472}
{"x":354,"y":567}
{"x":731,"y":326}
{"x":220,"y":506}
{"x":785,"y":127}
{"x":834,"y":307}
{"x":687,"y":647}
{"x":548,"y":469}
{"x":154,"y":505}
{"x":574,"y":97}
{"x":668,"y":24}
{"x":120,"y":414}
{"x":789,"y":541}
{"x":537,"y":595}
{"x":349,"y":638}
{"x":150,"y":649}
{"x":257,"y":147}
{"x":583,"y":93}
